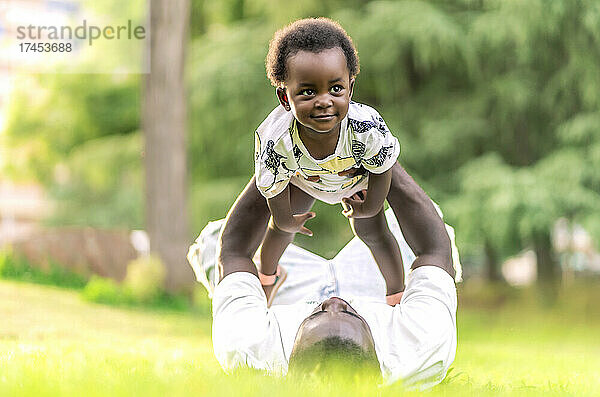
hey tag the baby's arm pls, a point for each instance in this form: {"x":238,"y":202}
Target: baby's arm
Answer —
{"x":282,"y":217}
{"x":379,"y":186}
{"x":280,"y":233}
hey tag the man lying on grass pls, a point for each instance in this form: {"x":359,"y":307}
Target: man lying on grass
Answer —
{"x":333,"y":310}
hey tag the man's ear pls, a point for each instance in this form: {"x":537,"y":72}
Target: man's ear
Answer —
{"x":352,"y":80}
{"x":283,"y":99}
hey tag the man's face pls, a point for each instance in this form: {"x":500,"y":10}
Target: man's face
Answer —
{"x":334,"y":317}
{"x":317,"y":89}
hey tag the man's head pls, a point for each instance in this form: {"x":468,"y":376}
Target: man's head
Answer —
{"x":334,"y":337}
{"x":313,"y":63}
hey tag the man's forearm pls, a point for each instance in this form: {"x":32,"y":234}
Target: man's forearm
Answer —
{"x":243,"y":232}
{"x":421,"y":225}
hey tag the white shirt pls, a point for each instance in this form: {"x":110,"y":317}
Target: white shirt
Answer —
{"x":415,"y":341}
{"x":280,"y":156}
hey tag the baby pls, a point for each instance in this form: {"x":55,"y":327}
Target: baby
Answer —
{"x":317,"y":145}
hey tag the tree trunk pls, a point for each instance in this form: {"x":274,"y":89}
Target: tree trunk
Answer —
{"x":164,"y":124}
{"x":547,"y":269}
{"x":492,"y":266}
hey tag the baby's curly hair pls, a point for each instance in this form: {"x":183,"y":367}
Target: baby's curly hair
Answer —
{"x":310,"y":34}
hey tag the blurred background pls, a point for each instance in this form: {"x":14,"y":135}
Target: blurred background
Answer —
{"x":496,"y":105}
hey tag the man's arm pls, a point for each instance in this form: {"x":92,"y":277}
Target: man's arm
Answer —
{"x":422,"y":227}
{"x":420,"y":223}
{"x":243,"y":231}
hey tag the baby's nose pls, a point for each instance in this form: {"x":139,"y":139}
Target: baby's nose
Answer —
{"x":334,"y":305}
{"x":323,"y":101}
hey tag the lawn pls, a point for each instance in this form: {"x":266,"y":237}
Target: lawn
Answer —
{"x":54,"y":343}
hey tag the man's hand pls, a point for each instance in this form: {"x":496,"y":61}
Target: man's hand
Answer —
{"x":282,"y":218}
{"x":394,"y":299}
{"x":372,"y":201}
{"x":352,"y":172}
{"x":353,"y":205}
{"x":295,"y":224}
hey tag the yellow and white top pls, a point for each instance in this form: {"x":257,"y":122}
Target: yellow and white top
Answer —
{"x":280,"y":156}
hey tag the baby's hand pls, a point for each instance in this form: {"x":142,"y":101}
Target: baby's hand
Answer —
{"x":352,"y":172}
{"x":353,"y":206}
{"x":296,"y":224}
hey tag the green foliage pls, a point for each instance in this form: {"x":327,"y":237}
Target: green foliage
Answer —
{"x":211,"y":199}
{"x":202,"y":303}
{"x":77,"y":136}
{"x":489,"y":104}
{"x":143,"y":286}
{"x":134,"y":9}
{"x":100,"y":184}
{"x":145,"y":278}
{"x":496,"y":105}
{"x":51,"y":116}
{"x":108,"y":292}
{"x":230,"y":96}
{"x":331,"y":230}
{"x":16,"y":267}
{"x":105,"y":290}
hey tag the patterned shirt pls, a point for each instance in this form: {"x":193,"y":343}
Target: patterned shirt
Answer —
{"x":281,"y":157}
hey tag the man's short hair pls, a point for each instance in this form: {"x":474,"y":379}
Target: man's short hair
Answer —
{"x":310,"y":34}
{"x":334,"y":356}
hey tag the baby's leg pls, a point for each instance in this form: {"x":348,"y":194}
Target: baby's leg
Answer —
{"x":276,"y":240}
{"x":375,"y":233}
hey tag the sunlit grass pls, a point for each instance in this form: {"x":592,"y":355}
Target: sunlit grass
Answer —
{"x":53,"y":343}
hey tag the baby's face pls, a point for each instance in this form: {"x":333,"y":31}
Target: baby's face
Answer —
{"x":318,"y":89}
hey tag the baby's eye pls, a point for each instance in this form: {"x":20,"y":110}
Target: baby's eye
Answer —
{"x":336,"y":89}
{"x":307,"y":92}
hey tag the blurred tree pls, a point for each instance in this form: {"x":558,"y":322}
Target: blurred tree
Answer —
{"x":78,"y":138}
{"x":479,"y":92}
{"x":535,"y":59}
{"x":198,"y":20}
{"x":106,"y":196}
{"x":496,"y":104}
{"x":164,"y":125}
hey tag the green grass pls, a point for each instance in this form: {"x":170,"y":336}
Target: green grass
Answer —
{"x":52,"y":343}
